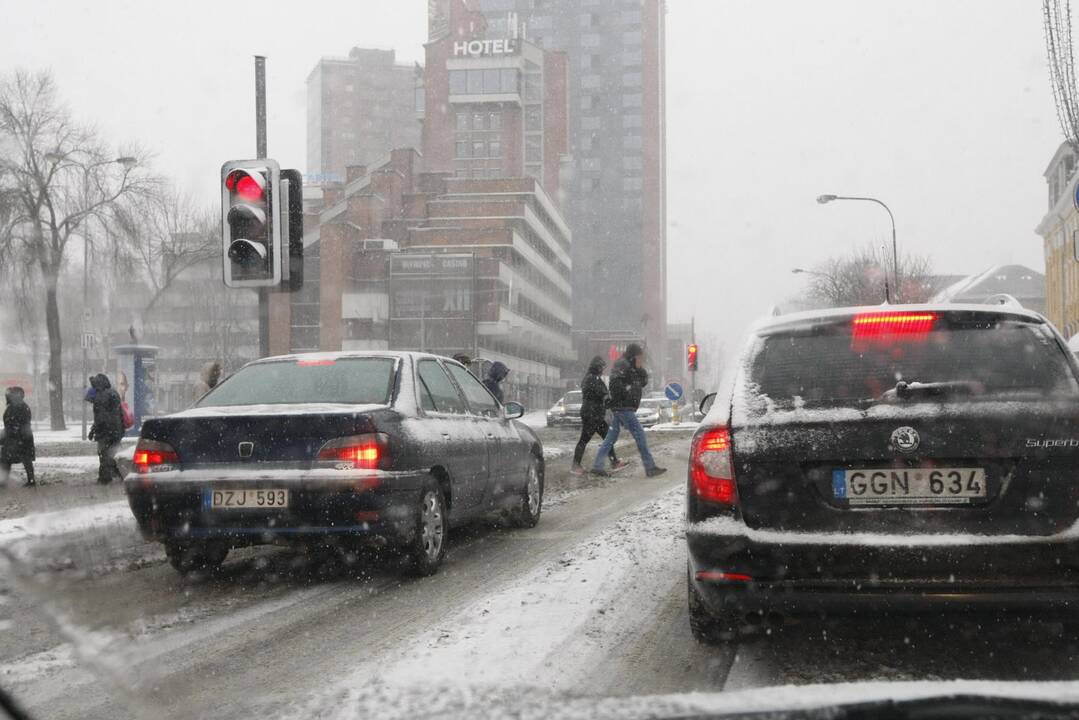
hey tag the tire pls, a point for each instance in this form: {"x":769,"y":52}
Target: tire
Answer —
{"x":530,"y":502}
{"x":428,"y":545}
{"x":187,"y":558}
{"x":709,"y":629}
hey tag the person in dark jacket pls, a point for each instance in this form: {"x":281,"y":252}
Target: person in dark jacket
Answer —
{"x":594,"y":395}
{"x":108,"y":427}
{"x":495,"y":375}
{"x":628,"y":379}
{"x":17,"y":445}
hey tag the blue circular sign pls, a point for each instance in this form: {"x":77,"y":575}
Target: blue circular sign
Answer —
{"x":673,"y":391}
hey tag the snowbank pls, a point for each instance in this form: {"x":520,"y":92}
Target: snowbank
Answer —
{"x":71,"y":520}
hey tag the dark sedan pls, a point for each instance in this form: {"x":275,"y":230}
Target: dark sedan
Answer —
{"x":384,"y":448}
{"x":884,"y":459}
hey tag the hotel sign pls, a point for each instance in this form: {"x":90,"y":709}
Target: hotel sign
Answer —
{"x":474,"y":48}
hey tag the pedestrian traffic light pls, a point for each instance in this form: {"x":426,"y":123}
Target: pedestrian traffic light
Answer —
{"x":691,"y":357}
{"x":251,"y":220}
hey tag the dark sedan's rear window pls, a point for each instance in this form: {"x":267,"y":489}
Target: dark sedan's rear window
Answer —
{"x":832,"y":366}
{"x":358,"y":381}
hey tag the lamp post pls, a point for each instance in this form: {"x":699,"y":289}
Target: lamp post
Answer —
{"x":128,"y":163}
{"x":824,"y":199}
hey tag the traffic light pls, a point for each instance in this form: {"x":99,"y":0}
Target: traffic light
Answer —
{"x":691,"y":357}
{"x":251,"y":222}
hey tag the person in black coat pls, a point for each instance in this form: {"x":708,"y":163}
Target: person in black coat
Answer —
{"x":495,"y":375}
{"x":17,"y":445}
{"x":628,"y":380}
{"x":108,"y":427}
{"x":594,"y":396}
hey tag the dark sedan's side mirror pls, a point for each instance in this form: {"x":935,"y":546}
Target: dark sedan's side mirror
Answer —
{"x":706,"y":403}
{"x":514,"y":410}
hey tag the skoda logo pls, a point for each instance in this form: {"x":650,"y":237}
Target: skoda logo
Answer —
{"x":905,"y":439}
{"x":246,"y":448}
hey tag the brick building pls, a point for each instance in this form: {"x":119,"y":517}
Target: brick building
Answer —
{"x":358,"y":109}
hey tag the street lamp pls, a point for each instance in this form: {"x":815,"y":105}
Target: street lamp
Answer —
{"x":800,"y":271}
{"x":825,"y":199}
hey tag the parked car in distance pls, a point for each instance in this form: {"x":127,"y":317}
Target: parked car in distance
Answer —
{"x":654,"y":410}
{"x":567,"y":411}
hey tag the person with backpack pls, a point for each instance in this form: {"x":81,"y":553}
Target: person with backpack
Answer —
{"x":108,"y":427}
{"x":594,"y":398}
{"x":628,"y":379}
{"x":17,"y":444}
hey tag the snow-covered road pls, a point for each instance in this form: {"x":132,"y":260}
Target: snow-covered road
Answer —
{"x":591,"y":603}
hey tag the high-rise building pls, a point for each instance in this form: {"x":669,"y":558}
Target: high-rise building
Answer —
{"x":616,"y":194}
{"x":358,"y":109}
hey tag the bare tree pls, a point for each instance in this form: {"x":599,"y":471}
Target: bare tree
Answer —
{"x":165,"y":234}
{"x":61,"y":176}
{"x":860,"y":279}
{"x":1056,"y":17}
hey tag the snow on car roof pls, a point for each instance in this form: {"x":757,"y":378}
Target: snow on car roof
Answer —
{"x":347,"y":354}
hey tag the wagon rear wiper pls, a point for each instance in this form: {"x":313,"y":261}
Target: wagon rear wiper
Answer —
{"x":904,"y":390}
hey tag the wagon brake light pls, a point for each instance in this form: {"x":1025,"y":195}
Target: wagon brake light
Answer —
{"x":712,"y":469}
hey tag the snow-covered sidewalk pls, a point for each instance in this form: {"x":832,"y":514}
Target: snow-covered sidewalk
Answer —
{"x":84,"y":518}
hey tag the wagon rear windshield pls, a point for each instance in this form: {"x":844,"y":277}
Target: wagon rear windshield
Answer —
{"x":837,"y":364}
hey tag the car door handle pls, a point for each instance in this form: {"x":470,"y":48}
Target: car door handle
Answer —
{"x":445,"y":435}
{"x":491,"y":435}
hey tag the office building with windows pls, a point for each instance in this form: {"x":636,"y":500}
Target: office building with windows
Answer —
{"x":616,"y":196}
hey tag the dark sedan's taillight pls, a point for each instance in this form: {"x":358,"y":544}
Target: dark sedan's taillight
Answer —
{"x":363,"y":452}
{"x":711,"y":468}
{"x":154,"y":456}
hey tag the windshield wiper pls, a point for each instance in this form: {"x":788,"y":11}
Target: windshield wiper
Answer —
{"x":904,"y":390}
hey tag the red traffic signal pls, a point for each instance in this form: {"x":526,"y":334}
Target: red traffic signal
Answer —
{"x":691,"y":357}
{"x":249,"y":186}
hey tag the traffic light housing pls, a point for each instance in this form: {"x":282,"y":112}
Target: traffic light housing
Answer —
{"x":691,"y":357}
{"x":251,"y":206}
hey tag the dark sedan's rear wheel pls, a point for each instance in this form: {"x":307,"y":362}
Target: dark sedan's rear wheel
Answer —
{"x":706,"y":627}
{"x":428,"y":545}
{"x":527,"y":512}
{"x":196,"y":556}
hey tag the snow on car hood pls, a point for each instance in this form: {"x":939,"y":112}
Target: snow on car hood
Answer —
{"x":276,"y":409}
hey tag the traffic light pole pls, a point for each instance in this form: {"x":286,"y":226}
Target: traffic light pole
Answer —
{"x":260,"y":150}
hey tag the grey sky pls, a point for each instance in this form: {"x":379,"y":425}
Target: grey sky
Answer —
{"x":942,"y":109}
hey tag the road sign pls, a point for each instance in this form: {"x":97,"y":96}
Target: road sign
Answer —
{"x":673,"y":391}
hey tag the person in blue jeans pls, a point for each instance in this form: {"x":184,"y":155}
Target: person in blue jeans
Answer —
{"x":628,"y":378}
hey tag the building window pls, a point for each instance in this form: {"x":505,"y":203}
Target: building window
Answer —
{"x":631,"y":184}
{"x":475,"y":82}
{"x":495,"y":148}
{"x":508,"y":80}
{"x":586,"y":62}
{"x":533,"y":149}
{"x":631,"y":100}
{"x":533,"y":118}
{"x":463,"y":148}
{"x":458,"y":82}
{"x":586,"y":102}
{"x":585,"y":143}
{"x":631,"y":121}
{"x":477,"y":121}
{"x":494,"y":121}
{"x":590,"y":164}
{"x":631,"y":79}
{"x":631,"y":57}
{"x":631,"y":142}
{"x":631,"y":162}
{"x":590,"y":82}
{"x":590,"y":40}
{"x":590,"y":184}
{"x":589,"y":20}
{"x":631,"y":38}
{"x":590,"y":123}
{"x":462,"y":122}
{"x":631,"y":17}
